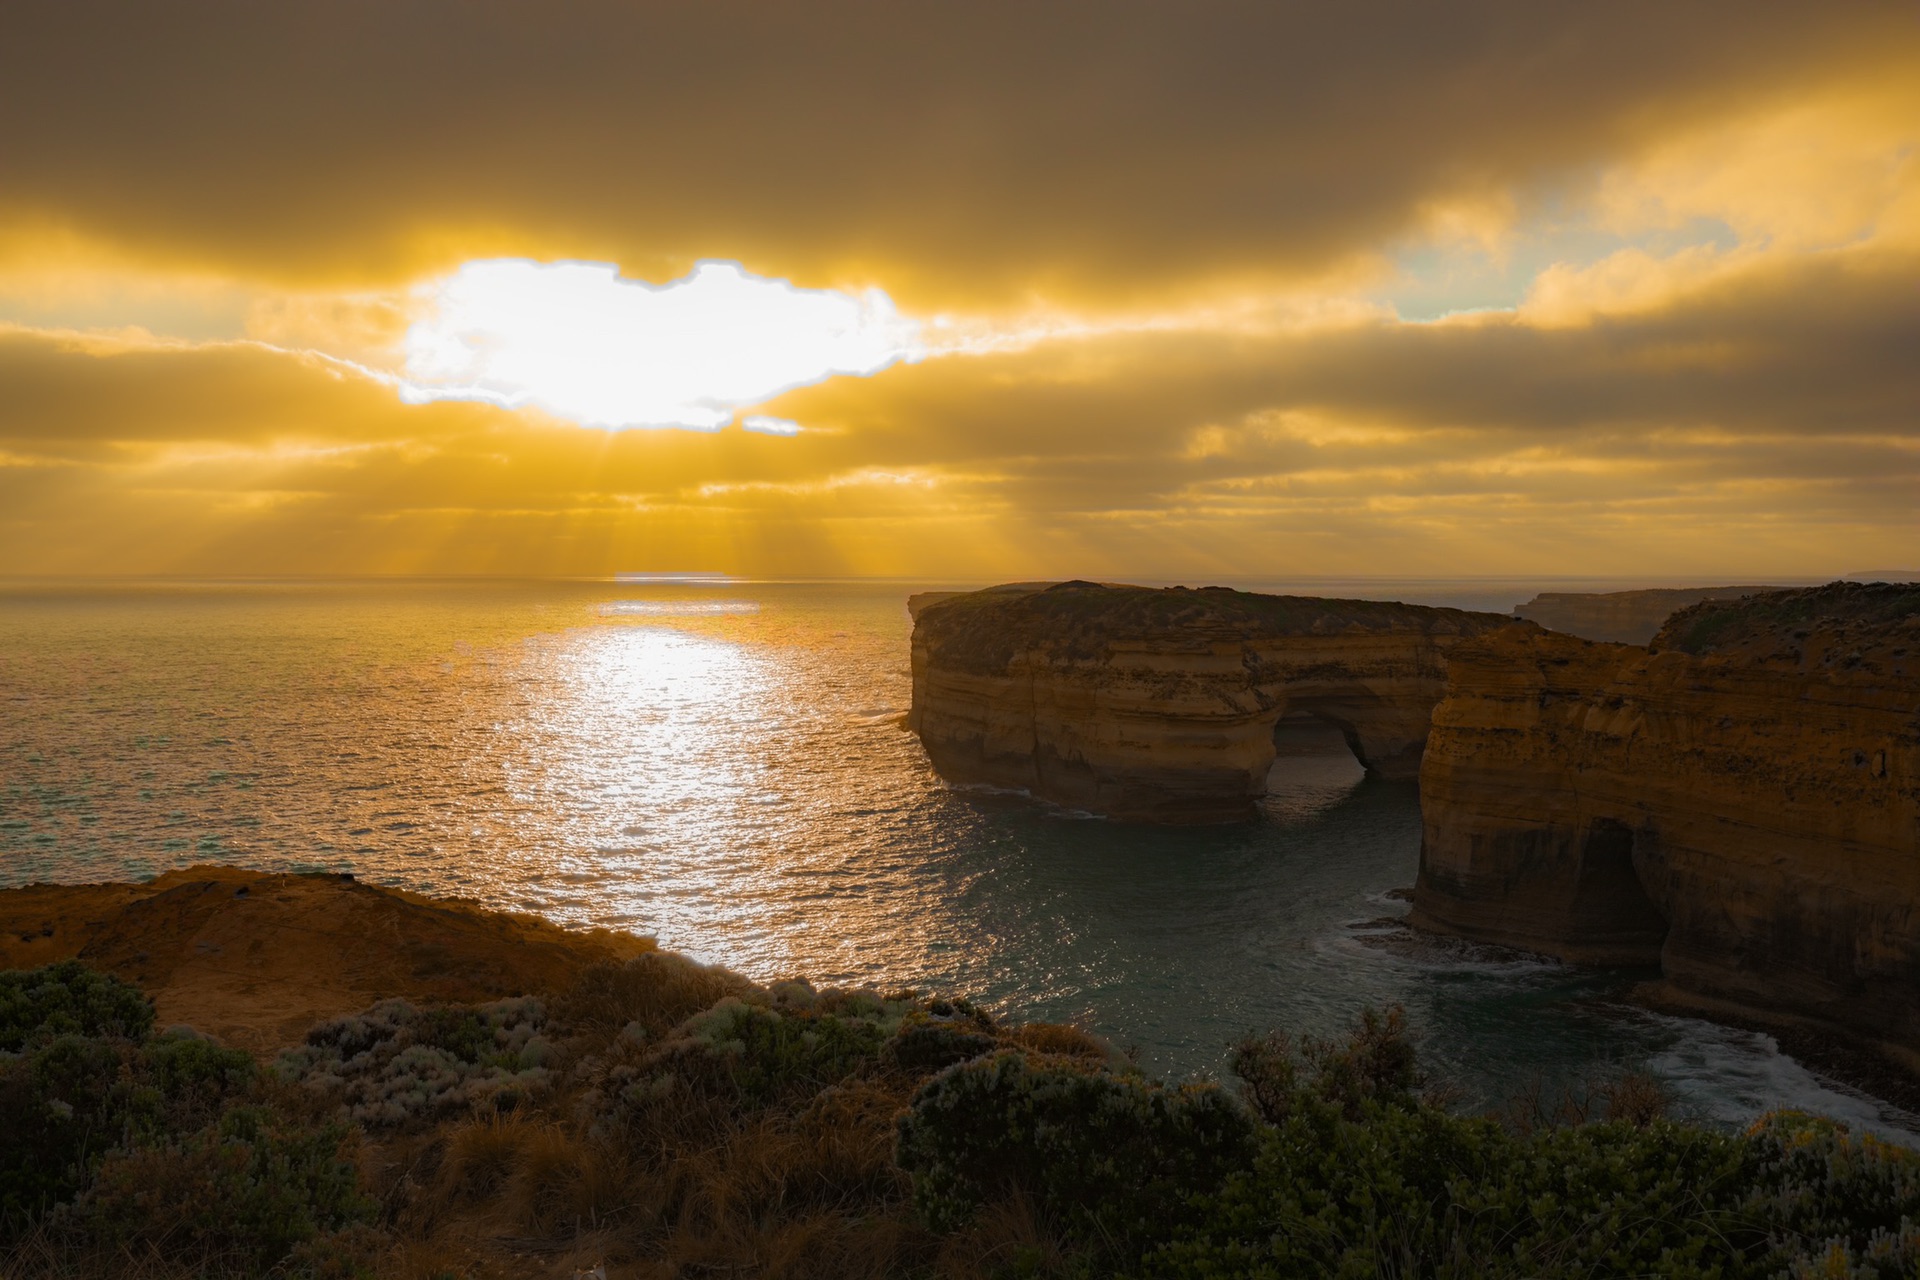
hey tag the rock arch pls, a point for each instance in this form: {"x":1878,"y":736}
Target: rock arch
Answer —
{"x":1161,"y":704}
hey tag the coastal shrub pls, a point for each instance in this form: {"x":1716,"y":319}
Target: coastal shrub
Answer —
{"x":762,"y":1054}
{"x":182,"y":1081}
{"x":1376,"y":1062}
{"x":1418,"y":1191}
{"x":396,"y":1064}
{"x":1112,"y":1155}
{"x":939,"y":1035}
{"x":238,"y":1195}
{"x":1834,"y":1203}
{"x":71,"y":1100}
{"x":68,"y":998}
{"x":778,"y":1048}
{"x":1062,"y":1040}
{"x":64,"y":1104}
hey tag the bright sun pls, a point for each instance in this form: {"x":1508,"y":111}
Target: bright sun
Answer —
{"x":580,"y":342}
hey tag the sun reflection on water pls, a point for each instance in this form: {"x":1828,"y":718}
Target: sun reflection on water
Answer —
{"x":724,"y":779}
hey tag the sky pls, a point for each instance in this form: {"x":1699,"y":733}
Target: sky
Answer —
{"x":960,"y":291}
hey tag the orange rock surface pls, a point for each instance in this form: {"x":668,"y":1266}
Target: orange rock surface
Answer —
{"x":1738,"y":804}
{"x":1161,"y":704}
{"x":254,"y":959}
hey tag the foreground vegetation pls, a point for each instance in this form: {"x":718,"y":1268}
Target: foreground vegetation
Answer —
{"x":675,"y":1120}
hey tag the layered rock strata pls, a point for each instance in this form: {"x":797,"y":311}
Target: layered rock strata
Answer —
{"x":1738,"y":803}
{"x":1161,"y":704}
{"x":1629,"y":617}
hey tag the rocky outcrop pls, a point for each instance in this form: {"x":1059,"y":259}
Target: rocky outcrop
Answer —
{"x":1629,"y":617}
{"x":1738,"y":804}
{"x":1161,"y":704}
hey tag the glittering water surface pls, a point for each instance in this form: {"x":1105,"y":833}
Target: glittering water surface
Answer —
{"x":726,"y":767}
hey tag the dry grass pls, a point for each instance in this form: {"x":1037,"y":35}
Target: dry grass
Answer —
{"x":1071,"y":1042}
{"x":658,"y":990}
{"x":1633,"y":1097}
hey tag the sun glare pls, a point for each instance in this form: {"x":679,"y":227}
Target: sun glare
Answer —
{"x":577,"y":340}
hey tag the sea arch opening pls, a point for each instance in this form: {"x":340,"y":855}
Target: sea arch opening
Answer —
{"x":1316,"y":765}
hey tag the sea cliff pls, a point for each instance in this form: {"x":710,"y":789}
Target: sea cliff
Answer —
{"x":1737,"y":803}
{"x":1161,"y":704}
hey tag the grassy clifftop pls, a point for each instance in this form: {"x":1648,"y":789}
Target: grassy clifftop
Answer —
{"x":257,"y":958}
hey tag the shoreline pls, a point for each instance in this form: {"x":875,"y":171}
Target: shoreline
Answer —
{"x":255,"y":958}
{"x":1883,"y":1072}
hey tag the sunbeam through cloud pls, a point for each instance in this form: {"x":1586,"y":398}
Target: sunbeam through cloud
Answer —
{"x":578,"y":340}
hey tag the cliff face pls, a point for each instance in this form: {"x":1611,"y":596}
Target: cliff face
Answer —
{"x":1629,"y":617}
{"x":1738,"y":804}
{"x":1161,"y":705}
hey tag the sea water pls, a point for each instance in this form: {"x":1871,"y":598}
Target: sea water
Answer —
{"x":725,"y":766}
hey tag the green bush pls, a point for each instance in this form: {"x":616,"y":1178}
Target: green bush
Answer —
{"x":65,"y":1105}
{"x":181,"y":1082}
{"x":238,"y":1195}
{"x":1834,"y":1204}
{"x":71,"y":1100}
{"x":1112,"y":1156}
{"x":68,"y":999}
{"x":765,"y":1055}
{"x":784,"y":1046}
{"x":1422,"y":1192}
{"x":396,"y":1064}
{"x":940,"y":1035}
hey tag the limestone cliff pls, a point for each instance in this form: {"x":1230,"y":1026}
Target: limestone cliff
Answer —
{"x":1161,"y":704}
{"x":1630,"y":617}
{"x":1739,"y":803}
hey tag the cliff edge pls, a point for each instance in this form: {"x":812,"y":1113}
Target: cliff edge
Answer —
{"x":1161,"y":704}
{"x":1737,"y":803}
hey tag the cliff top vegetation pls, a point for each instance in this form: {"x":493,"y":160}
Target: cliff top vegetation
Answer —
{"x":1841,"y":622}
{"x":982,"y":630}
{"x":730,"y":1128}
{"x":668,"y":1119}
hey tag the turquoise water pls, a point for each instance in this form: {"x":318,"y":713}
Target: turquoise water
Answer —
{"x":725,"y":767}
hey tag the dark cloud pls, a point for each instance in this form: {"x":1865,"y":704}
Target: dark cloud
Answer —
{"x":948,"y":150}
{"x":1807,"y":348}
{"x":1757,"y":405}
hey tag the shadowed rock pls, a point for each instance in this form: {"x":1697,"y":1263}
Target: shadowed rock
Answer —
{"x":1739,"y":803}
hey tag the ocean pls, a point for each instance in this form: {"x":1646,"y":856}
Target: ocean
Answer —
{"x":724,"y":765}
